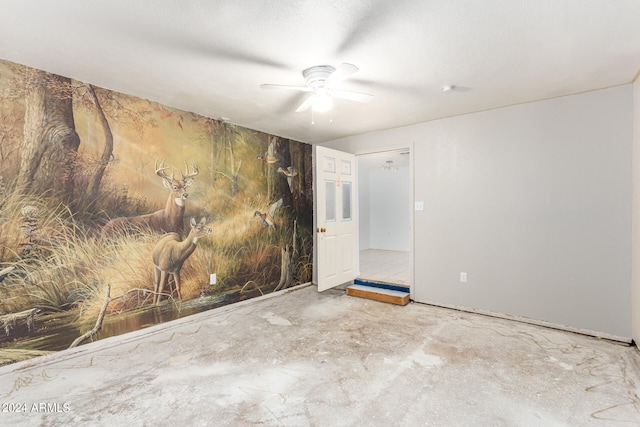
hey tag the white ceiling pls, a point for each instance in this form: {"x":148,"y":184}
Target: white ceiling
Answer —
{"x":210,"y":57}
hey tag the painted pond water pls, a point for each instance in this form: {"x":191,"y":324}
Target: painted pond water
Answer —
{"x":55,"y":332}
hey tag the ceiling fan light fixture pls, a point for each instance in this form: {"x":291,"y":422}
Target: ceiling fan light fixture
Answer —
{"x":322,"y":102}
{"x":389,"y":166}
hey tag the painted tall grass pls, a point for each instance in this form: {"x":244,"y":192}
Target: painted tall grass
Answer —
{"x":36,"y":239}
{"x":59,"y":266}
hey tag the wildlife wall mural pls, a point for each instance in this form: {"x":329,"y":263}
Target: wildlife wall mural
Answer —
{"x":117,"y":213}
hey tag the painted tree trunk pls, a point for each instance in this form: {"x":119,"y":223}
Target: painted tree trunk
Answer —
{"x":50,"y":141}
{"x":95,"y":179}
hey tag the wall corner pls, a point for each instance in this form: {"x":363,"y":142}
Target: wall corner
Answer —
{"x":635,"y":226}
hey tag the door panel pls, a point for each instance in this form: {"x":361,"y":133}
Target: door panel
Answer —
{"x":336,"y":222}
{"x":348,"y":263}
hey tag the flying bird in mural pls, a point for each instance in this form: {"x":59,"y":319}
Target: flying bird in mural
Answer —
{"x":270,"y":156}
{"x":289,"y":172}
{"x":268,"y":219}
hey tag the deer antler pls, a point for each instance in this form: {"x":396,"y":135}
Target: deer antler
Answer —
{"x":160,"y":170}
{"x":189,"y":174}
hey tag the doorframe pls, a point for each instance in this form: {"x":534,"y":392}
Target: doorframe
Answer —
{"x":390,"y":149}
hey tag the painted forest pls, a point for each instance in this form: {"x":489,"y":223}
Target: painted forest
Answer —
{"x":115,"y":211}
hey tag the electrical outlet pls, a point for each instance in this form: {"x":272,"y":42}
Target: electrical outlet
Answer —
{"x":463,"y":277}
{"x":212,"y":279}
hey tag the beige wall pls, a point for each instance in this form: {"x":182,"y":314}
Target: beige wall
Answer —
{"x":533,"y":202}
{"x":635,"y":286}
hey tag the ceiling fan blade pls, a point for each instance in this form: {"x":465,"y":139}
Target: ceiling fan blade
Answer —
{"x":186,"y":41}
{"x":340,"y":74}
{"x":306,"y":104}
{"x":371,"y":22}
{"x":287,"y":87}
{"x":351,"y":96}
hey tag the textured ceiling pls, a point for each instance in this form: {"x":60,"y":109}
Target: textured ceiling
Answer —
{"x":210,"y":57}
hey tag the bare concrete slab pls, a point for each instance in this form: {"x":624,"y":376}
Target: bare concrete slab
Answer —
{"x":325,"y":359}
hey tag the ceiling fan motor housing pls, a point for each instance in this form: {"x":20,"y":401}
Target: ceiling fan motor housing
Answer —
{"x":316,"y":76}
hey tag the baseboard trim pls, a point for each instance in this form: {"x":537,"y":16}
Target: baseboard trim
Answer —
{"x":544,"y":323}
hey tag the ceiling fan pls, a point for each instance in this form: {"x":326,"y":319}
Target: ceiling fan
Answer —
{"x":323,"y":80}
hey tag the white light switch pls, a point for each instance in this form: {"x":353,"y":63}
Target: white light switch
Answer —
{"x":419,"y":206}
{"x":463,"y":277}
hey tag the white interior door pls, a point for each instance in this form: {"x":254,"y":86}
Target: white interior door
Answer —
{"x":336,"y":218}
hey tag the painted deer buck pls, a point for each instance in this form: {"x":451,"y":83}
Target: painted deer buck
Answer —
{"x":170,"y":253}
{"x":169,"y":219}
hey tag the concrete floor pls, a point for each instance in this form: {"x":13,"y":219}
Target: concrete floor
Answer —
{"x":309,"y":359}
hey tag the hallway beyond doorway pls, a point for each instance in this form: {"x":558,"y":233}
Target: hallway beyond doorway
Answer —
{"x":386,"y":266}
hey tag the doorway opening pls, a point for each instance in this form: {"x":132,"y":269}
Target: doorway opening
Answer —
{"x":384,"y":201}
